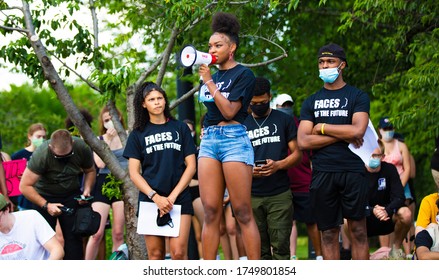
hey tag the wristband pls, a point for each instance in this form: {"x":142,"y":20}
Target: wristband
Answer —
{"x":322,"y":129}
{"x":151,"y":194}
{"x":44,"y":207}
{"x":213,"y":95}
{"x":208,"y":81}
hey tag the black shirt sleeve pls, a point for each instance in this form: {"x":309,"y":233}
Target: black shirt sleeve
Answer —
{"x":423,"y":239}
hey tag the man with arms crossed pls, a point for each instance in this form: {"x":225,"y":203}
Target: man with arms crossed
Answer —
{"x":333,"y":117}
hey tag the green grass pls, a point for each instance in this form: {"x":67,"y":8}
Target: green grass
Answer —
{"x":302,"y":247}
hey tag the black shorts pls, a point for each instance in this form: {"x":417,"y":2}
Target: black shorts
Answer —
{"x":376,"y":227}
{"x":195,"y":192}
{"x":339,"y":195}
{"x":302,"y":208}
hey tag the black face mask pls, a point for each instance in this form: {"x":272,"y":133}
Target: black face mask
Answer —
{"x":260,"y":109}
{"x":164,"y":220}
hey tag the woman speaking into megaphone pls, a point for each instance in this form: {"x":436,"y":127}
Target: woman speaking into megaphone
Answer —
{"x":226,"y":154}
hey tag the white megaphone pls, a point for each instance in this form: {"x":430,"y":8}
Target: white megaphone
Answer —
{"x":190,"y":56}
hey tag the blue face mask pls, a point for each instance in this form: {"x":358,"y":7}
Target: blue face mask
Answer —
{"x":329,"y":75}
{"x":374,"y":163}
{"x":388,"y":135}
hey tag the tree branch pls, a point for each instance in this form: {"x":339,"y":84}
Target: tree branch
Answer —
{"x":90,"y":84}
{"x":167,"y":54}
{"x":95,"y":23}
{"x":14,"y":29}
{"x":184,"y":97}
{"x":21,"y":30}
{"x":284,"y":53}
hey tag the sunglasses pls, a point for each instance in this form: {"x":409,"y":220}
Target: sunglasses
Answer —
{"x":71,"y":153}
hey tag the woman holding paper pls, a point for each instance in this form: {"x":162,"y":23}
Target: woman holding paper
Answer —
{"x":161,"y":163}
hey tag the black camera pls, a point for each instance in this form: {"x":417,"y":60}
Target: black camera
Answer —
{"x":67,"y":210}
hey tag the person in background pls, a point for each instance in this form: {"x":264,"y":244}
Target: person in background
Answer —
{"x":197,"y":219}
{"x":50,"y":182}
{"x":5,"y":156}
{"x":26,"y":235}
{"x":68,"y":123}
{"x":427,"y":242}
{"x":228,"y":230}
{"x":389,"y":214}
{"x":226,"y":156}
{"x":273,"y":137}
{"x":3,"y":187}
{"x":101,"y":202}
{"x":36,"y":134}
{"x":161,"y":163}
{"x":397,"y":153}
{"x":331,"y":119}
{"x":300,"y":180}
{"x":428,"y":209}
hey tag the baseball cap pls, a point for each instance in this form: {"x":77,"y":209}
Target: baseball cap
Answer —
{"x":282,"y":98}
{"x":385,"y":123}
{"x":3,"y":202}
{"x":333,"y":50}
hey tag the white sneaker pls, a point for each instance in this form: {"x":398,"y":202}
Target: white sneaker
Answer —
{"x":319,"y":258}
{"x":294,"y":257}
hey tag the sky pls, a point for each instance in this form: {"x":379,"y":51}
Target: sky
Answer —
{"x":8,"y":77}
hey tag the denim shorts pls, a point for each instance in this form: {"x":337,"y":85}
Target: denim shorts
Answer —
{"x":227,"y":143}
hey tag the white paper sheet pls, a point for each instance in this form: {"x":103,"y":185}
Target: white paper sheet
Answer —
{"x":370,"y":144}
{"x":147,"y":221}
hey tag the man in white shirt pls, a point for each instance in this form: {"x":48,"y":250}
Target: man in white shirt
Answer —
{"x":25,"y":235}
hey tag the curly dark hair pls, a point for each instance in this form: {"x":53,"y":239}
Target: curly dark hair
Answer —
{"x":227,"y":24}
{"x":141,"y":115}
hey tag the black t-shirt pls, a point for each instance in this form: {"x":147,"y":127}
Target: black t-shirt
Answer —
{"x":335,"y":107}
{"x":23,"y":153}
{"x":269,"y":137}
{"x":161,"y":150}
{"x":385,"y":188}
{"x":234,"y":84}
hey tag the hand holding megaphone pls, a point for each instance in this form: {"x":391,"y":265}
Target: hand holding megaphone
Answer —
{"x":190,"y":56}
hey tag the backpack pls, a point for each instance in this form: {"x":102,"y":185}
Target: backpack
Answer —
{"x":87,"y":221}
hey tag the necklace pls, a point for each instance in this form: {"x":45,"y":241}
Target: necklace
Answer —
{"x":260,"y":125}
{"x":219,"y":79}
